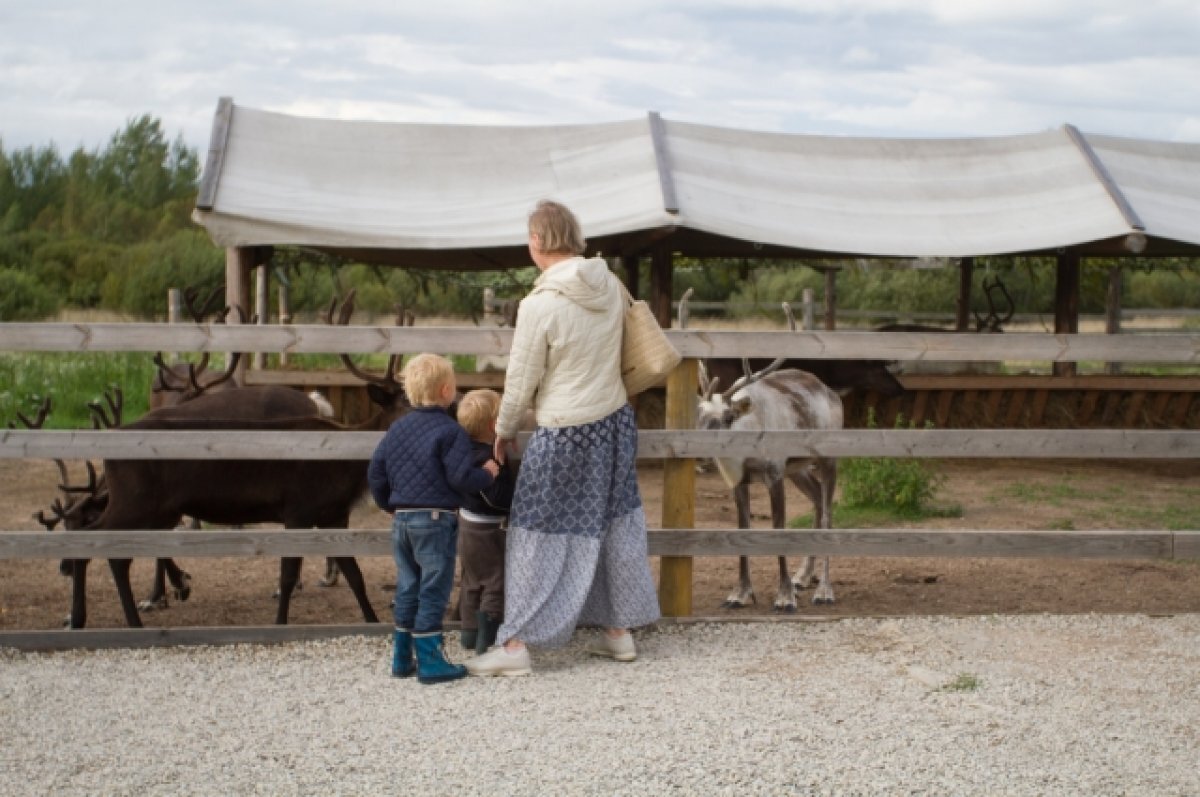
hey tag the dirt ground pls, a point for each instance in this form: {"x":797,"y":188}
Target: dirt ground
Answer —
{"x":992,"y":494}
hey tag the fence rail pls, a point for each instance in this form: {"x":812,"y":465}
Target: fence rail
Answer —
{"x":671,"y":543}
{"x":295,"y":339}
{"x":652,"y":444}
{"x":950,"y":543}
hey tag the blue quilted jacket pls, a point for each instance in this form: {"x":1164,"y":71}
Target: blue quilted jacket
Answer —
{"x":425,"y":460}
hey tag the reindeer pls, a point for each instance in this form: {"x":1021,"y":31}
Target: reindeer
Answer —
{"x":154,"y":494}
{"x":774,"y":399}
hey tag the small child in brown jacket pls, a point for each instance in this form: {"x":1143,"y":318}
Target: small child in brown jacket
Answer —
{"x":482,"y":519}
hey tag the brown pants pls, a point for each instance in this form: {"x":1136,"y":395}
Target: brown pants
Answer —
{"x":481,"y":547}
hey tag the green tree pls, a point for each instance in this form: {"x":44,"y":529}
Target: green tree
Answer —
{"x":22,"y":298}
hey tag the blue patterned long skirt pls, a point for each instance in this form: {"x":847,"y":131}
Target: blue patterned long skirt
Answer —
{"x":577,"y":535}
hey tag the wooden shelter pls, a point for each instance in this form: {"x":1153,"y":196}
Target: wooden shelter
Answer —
{"x":456,"y":197}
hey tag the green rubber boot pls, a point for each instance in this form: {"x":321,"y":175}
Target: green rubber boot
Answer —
{"x":487,"y":633}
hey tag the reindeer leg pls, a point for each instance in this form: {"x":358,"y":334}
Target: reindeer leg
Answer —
{"x":354,"y":578}
{"x":120,"y":571}
{"x":812,"y":491}
{"x":827,"y":470}
{"x":78,"y":616}
{"x":289,"y":574}
{"x":181,"y":580}
{"x":330,"y":578}
{"x":744,"y":595}
{"x":785,"y":594}
{"x":157,"y":599}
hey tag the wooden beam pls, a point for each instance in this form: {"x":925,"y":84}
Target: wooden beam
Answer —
{"x":962,"y":309}
{"x":652,"y":444}
{"x":1066,"y":305}
{"x":238,"y":263}
{"x":1112,"y":312}
{"x":830,"y":299}
{"x":671,"y":542}
{"x":679,"y":492}
{"x":661,"y":273}
{"x":134,"y":638}
{"x":206,"y":197}
{"x":699,"y":343}
{"x":662,"y":158}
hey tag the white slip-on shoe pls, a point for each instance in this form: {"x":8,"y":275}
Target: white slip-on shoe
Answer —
{"x":620,"y":648}
{"x":499,"y":661}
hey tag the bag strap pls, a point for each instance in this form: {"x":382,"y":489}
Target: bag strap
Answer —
{"x":624,"y":292}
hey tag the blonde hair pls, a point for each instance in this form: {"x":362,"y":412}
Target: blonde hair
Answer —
{"x":424,"y":377}
{"x":557,"y":229}
{"x":477,"y":411}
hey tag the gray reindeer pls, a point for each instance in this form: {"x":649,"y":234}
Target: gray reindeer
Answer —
{"x":785,"y":400}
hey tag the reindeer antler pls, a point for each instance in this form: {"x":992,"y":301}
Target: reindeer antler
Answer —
{"x":38,"y":419}
{"x":993,"y":321}
{"x":750,"y":378}
{"x":116,"y":402}
{"x":388,"y":380}
{"x":706,"y":385}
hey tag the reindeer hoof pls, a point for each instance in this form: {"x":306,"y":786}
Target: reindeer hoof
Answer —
{"x":328,"y":582}
{"x":152,"y":604}
{"x":733,"y":603}
{"x":820,"y":600}
{"x":184,"y":590}
{"x":784,"y":608}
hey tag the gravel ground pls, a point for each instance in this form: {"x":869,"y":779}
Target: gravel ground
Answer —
{"x":1010,"y":705}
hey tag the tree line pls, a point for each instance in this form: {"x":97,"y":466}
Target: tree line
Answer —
{"x":111,"y":229}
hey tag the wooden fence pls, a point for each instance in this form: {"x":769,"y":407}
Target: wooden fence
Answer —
{"x":677,"y":542}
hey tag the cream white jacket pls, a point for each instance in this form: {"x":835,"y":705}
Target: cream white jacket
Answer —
{"x":566,"y":352}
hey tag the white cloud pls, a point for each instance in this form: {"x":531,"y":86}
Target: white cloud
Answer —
{"x":75,"y":72}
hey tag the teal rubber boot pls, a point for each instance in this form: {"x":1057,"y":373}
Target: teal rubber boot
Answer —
{"x":432,"y":667}
{"x":403,"y":665}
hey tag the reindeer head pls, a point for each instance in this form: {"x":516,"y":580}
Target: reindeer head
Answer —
{"x":720,"y":410}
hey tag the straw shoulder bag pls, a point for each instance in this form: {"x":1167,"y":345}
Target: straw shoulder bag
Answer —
{"x":647,"y":356}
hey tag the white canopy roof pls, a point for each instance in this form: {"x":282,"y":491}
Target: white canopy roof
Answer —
{"x":459,"y":195}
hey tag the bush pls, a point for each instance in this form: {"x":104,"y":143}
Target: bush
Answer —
{"x":23,"y":298}
{"x":904,"y":486}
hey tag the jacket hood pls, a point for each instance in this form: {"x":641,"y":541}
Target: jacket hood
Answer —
{"x":585,"y":281}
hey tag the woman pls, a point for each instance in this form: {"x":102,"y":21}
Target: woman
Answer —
{"x":577,"y":533}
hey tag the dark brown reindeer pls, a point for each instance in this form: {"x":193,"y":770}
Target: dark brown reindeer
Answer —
{"x":182,"y":382}
{"x":153,"y":494}
{"x":774,"y":399}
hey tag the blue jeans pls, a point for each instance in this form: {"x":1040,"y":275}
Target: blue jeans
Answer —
{"x":424,"y":549}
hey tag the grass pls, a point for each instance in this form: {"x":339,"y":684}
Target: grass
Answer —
{"x":72,"y":380}
{"x":1111,"y":507}
{"x":963,"y":682}
{"x":869,"y":517}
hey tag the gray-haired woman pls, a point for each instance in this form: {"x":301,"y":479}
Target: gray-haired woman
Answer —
{"x":577,"y":534}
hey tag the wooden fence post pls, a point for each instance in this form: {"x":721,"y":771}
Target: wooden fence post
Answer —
{"x":174,"y":310}
{"x":285,"y":315}
{"x":679,"y":493}
{"x":238,"y":262}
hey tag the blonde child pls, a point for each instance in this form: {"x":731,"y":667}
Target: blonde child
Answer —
{"x":481,"y":525}
{"x":419,"y":473}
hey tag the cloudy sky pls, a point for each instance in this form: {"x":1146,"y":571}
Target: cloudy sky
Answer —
{"x":73,"y":72}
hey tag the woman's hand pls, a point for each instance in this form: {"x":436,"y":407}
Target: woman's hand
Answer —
{"x":502,"y":447}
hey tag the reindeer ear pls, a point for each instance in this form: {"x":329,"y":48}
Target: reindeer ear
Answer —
{"x":741,"y":405}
